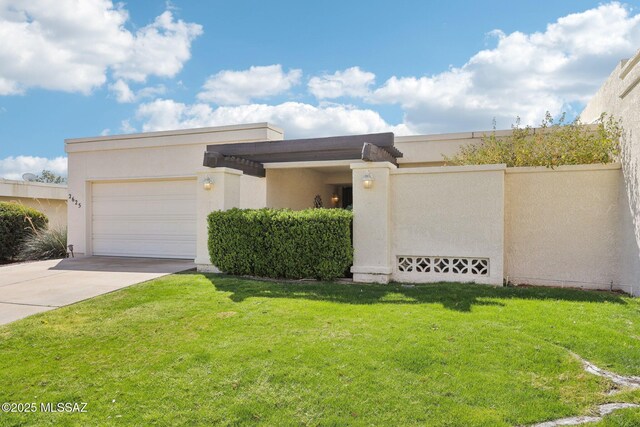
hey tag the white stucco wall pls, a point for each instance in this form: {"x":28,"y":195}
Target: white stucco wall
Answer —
{"x":50,"y":199}
{"x":372,"y":222}
{"x":448,"y":212}
{"x":568,"y":226}
{"x":563,"y":226}
{"x":253,"y":192}
{"x":620,"y":96}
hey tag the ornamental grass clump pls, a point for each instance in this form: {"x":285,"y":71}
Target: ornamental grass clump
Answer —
{"x":553,"y":144}
{"x":50,"y":243}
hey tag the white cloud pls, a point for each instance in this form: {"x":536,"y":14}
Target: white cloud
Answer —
{"x":150,"y":92}
{"x":524,"y":75}
{"x":350,"y":82}
{"x":124,"y":94}
{"x":299,"y":120}
{"x":229,"y":87}
{"x":70,"y":46}
{"x":126,"y":127}
{"x":160,"y":49}
{"x":121,"y":90}
{"x":13,"y":167}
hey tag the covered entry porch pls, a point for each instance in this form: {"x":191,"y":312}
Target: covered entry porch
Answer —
{"x":299,"y":174}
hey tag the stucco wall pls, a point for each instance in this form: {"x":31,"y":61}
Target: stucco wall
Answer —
{"x":297,"y":188}
{"x":563,"y":226}
{"x":568,"y":226}
{"x":253,"y":192}
{"x":620,"y":96}
{"x":451,"y":212}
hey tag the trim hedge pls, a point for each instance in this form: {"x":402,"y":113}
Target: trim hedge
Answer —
{"x":16,"y":225}
{"x":281,"y":243}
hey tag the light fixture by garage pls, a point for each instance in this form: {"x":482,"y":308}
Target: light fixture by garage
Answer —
{"x":207,"y":183}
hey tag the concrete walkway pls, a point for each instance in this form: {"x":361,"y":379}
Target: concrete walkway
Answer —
{"x":33,"y":287}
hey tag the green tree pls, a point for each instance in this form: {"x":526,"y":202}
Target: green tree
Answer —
{"x":552,"y":144}
{"x":50,"y":177}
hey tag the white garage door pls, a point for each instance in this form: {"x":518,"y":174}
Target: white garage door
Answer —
{"x":145,"y":219}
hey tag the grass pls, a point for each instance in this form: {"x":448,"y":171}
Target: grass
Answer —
{"x":193,"y":349}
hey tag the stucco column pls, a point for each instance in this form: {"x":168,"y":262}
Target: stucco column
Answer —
{"x":372,"y":223}
{"x":224,"y":194}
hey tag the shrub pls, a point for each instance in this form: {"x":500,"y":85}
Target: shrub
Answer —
{"x":17,"y":222}
{"x":49,"y":243}
{"x":553,"y":145}
{"x":313,"y":243}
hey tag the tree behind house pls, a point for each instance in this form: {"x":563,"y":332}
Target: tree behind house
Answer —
{"x":51,"y":178}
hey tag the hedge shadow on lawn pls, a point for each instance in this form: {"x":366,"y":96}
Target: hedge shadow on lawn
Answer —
{"x":454,"y":296}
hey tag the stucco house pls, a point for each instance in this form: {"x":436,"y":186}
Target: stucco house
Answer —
{"x":415,"y":220}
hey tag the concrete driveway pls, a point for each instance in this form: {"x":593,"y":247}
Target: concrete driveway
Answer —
{"x":32,"y":287}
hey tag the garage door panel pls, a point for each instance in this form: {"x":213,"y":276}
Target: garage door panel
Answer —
{"x":130,"y":246}
{"x":169,"y":205}
{"x":141,"y":188}
{"x":106,"y":227}
{"x":142,"y":218}
{"x":155,"y":219}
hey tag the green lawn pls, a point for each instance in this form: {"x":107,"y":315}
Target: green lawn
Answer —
{"x":194,"y":349}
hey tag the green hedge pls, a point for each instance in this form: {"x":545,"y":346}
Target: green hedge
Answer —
{"x":313,"y":243}
{"x":15,"y":226}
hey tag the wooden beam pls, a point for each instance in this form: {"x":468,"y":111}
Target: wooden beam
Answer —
{"x":214,"y":159}
{"x":373,"y":153}
{"x":211,"y":159}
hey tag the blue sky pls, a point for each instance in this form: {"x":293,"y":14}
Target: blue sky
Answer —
{"x":318,"y":68}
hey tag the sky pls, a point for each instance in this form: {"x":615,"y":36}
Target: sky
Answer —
{"x":83,"y":68}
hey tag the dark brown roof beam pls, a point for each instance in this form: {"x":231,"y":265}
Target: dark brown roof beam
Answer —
{"x":373,"y":153}
{"x":218,"y":160}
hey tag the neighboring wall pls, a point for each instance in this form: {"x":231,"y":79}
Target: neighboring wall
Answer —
{"x":50,"y":199}
{"x":430,"y":150}
{"x":564,"y":226}
{"x":620,"y":96}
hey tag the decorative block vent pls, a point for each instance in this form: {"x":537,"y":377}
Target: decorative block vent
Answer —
{"x":444,"y":265}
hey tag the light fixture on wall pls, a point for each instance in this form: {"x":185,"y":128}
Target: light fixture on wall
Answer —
{"x":335,"y":199}
{"x":367,"y":180}
{"x":207,"y":183}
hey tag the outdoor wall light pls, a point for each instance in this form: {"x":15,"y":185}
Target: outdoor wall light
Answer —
{"x":335,"y":199}
{"x":207,"y":183}
{"x":367,"y":180}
